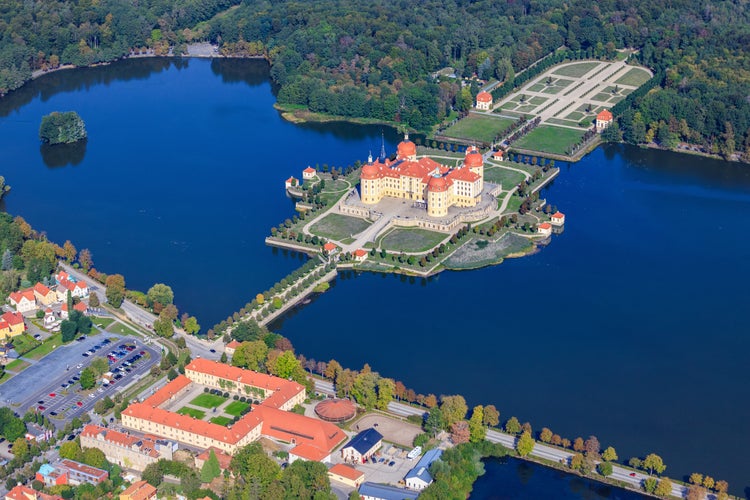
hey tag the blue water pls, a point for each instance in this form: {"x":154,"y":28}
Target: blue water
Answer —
{"x":631,"y":325}
{"x":514,"y":479}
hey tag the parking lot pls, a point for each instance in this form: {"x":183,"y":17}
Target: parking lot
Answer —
{"x":52,"y":385}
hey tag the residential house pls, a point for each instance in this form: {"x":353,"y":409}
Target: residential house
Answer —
{"x":51,"y":476}
{"x":77,"y":289}
{"x":419,"y":477}
{"x":11,"y":324}
{"x":545,"y":228}
{"x":23,"y":301}
{"x":603,"y":120}
{"x":140,"y":490}
{"x":347,"y":475}
{"x":484,"y":101}
{"x":498,"y":155}
{"x":362,"y":446}
{"x":308,"y":173}
{"x":360,"y":255}
{"x":291,"y":182}
{"x":49,"y":318}
{"x":21,"y":492}
{"x":37,"y":433}
{"x":230,"y":348}
{"x":557,"y":219}
{"x":79,"y":473}
{"x":44,"y":295}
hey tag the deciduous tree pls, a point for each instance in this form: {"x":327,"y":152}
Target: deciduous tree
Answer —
{"x":85,"y":259}
{"x":609,"y":455}
{"x":69,"y":251}
{"x":88,"y":378}
{"x":460,"y":432}
{"x":115,"y":284}
{"x":546,"y":435}
{"x":592,"y":447}
{"x":513,"y":426}
{"x":477,"y":430}
{"x":578,"y":445}
{"x":160,"y":293}
{"x":525,"y":444}
{"x":491,"y":416}
{"x":664,"y":488}
{"x":454,"y":408}
{"x":654,"y":463}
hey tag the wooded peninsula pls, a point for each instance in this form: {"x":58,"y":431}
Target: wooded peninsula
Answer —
{"x":373,"y":59}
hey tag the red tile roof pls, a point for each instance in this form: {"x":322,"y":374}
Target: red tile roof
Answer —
{"x":545,"y":225}
{"x":140,"y":490}
{"x":41,"y":289}
{"x":360,"y":252}
{"x":484,"y":97}
{"x":463,"y":174}
{"x":81,"y":307}
{"x":247,"y":377}
{"x":169,"y":390}
{"x":21,"y":492}
{"x":292,"y":427}
{"x":223,"y":458}
{"x":347,"y":472}
{"x":145,"y":444}
{"x":309,"y":170}
{"x":12,"y":318}
{"x":28,"y":293}
{"x":99,"y":474}
{"x":233,"y":344}
{"x":329,"y":247}
{"x":558,"y":215}
{"x":309,"y":452}
{"x":604,"y":115}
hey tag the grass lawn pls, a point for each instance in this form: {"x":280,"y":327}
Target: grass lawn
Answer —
{"x":223,"y":421}
{"x":602,"y":97}
{"x":513,"y":205}
{"x":552,"y":90}
{"x":499,"y":175}
{"x":4,"y":377}
{"x":575,"y":115}
{"x":536,"y":87}
{"x":102,"y":322}
{"x":47,"y":347}
{"x":549,"y":139}
{"x":635,"y":77}
{"x":17,"y":365}
{"x":24,"y":343}
{"x":478,"y":127}
{"x":509,"y":105}
{"x":538,"y":100}
{"x":337,"y":226}
{"x":192,"y":412}
{"x":411,"y":240}
{"x":122,"y":329}
{"x":235,"y":408}
{"x":207,"y":400}
{"x":576,"y":70}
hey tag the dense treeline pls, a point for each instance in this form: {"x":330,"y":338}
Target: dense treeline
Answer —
{"x":374,"y":58}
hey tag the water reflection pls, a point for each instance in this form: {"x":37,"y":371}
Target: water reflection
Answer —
{"x":253,"y":72}
{"x":61,"y":155}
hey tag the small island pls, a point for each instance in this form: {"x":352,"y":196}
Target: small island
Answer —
{"x":62,"y":128}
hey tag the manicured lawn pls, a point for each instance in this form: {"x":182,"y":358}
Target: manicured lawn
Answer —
{"x":552,"y":90}
{"x":549,"y":139}
{"x":103,"y":322}
{"x":47,"y":347}
{"x":507,"y":178}
{"x":16,"y":365}
{"x":635,"y":77}
{"x":192,"y":412}
{"x":602,"y":97}
{"x":576,"y":70}
{"x":411,"y":240}
{"x":122,"y":329}
{"x":24,"y":343}
{"x":538,"y":100}
{"x":337,"y":227}
{"x":235,"y":408}
{"x":478,"y":127}
{"x":207,"y":400}
{"x":223,"y":421}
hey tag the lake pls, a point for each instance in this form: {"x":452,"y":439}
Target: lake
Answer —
{"x":630,"y":325}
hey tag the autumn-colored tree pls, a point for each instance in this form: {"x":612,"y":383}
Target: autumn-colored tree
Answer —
{"x":400,"y":391}
{"x":526,"y":427}
{"x":556,"y":440}
{"x":696,"y":478}
{"x":546,"y":435}
{"x":24,"y":226}
{"x":592,"y":447}
{"x":94,"y":300}
{"x":430,"y":401}
{"x":576,"y":462}
{"x":696,"y":492}
{"x":664,"y":488}
{"x":477,"y":430}
{"x":721,"y":486}
{"x":454,"y":408}
{"x":525,"y":444}
{"x":491,"y":416}
{"x":578,"y":445}
{"x":115,"y":284}
{"x":609,"y":455}
{"x":260,"y":299}
{"x":85,"y":259}
{"x":345,"y":382}
{"x":332,"y":370}
{"x":69,"y":251}
{"x":513,"y":426}
{"x":565,"y":442}
{"x":460,"y":432}
{"x":708,"y":482}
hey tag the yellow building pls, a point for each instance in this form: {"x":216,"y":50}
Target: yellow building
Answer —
{"x":11,"y":324}
{"x":423,"y":180}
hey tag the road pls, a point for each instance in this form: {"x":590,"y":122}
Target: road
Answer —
{"x":198,"y":347}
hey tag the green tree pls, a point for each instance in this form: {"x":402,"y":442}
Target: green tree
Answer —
{"x":364,"y":389}
{"x":115,"y":284}
{"x":191,"y":325}
{"x":477,"y":430}
{"x":454,"y":408}
{"x":62,"y":128}
{"x":251,"y":355}
{"x":664,"y":488}
{"x":94,"y":300}
{"x":88,"y":378}
{"x":491,"y":416}
{"x":100,"y":365}
{"x":654,"y":463}
{"x":434,"y":422}
{"x":253,"y":465}
{"x":160,"y":294}
{"x":68,"y":329}
{"x":285,"y":365}
{"x":525,"y":444}
{"x":153,"y":474}
{"x":609,"y":455}
{"x":386,"y":387}
{"x":20,"y":449}
{"x":163,"y":326}
{"x":513,"y":426}
{"x":211,"y":468}
{"x":604,"y":468}
{"x":93,"y":457}
{"x":649,"y":485}
{"x":70,"y":450}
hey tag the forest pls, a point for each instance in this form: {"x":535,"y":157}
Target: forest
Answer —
{"x":377,"y":59}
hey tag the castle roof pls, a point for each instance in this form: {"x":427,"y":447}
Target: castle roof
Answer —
{"x":406,"y":148}
{"x":438,"y":184}
{"x":473,"y":158}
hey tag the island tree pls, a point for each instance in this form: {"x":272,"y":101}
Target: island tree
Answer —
{"x":62,"y":128}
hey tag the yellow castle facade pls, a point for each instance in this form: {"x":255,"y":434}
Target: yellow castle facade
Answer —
{"x":424,"y":180}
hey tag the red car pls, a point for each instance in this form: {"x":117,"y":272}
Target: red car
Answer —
{"x":632,"y":474}
{"x":79,"y":403}
{"x":52,"y":394}
{"x":42,"y":408}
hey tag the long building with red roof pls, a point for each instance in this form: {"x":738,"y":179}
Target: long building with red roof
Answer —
{"x":270,"y":418}
{"x":423,"y":180}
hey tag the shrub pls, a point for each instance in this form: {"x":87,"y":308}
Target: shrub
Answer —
{"x":236,"y":397}
{"x":226,"y":394}
{"x":205,"y":389}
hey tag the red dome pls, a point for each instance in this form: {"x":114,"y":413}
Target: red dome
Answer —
{"x":370,"y":171}
{"x":336,"y":410}
{"x":484,"y":97}
{"x":473,"y":159}
{"x":437,"y":185}
{"x":406,"y":148}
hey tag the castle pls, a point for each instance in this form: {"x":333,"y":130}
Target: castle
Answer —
{"x":423,"y":180}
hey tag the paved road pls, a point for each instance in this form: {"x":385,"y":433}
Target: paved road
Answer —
{"x":198,"y":347}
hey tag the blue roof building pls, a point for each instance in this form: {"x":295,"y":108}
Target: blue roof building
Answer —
{"x":419,"y":477}
{"x":362,"y":446}
{"x":374,"y":491}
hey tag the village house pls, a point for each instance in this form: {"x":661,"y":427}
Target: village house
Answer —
{"x":308,"y":174}
{"x":557,"y":219}
{"x":139,"y":490}
{"x":20,"y":492}
{"x":603,"y":120}
{"x":230,"y":348}
{"x":11,"y":324}
{"x":23,"y":301}
{"x":44,"y":295}
{"x":360,"y":255}
{"x":362,"y":446}
{"x":498,"y":155}
{"x":70,"y":472}
{"x":78,"y":289}
{"x":484,"y":101}
{"x":291,"y":182}
{"x":419,"y":477}
{"x":37,"y":433}
{"x":347,"y":475}
{"x":545,"y":229}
